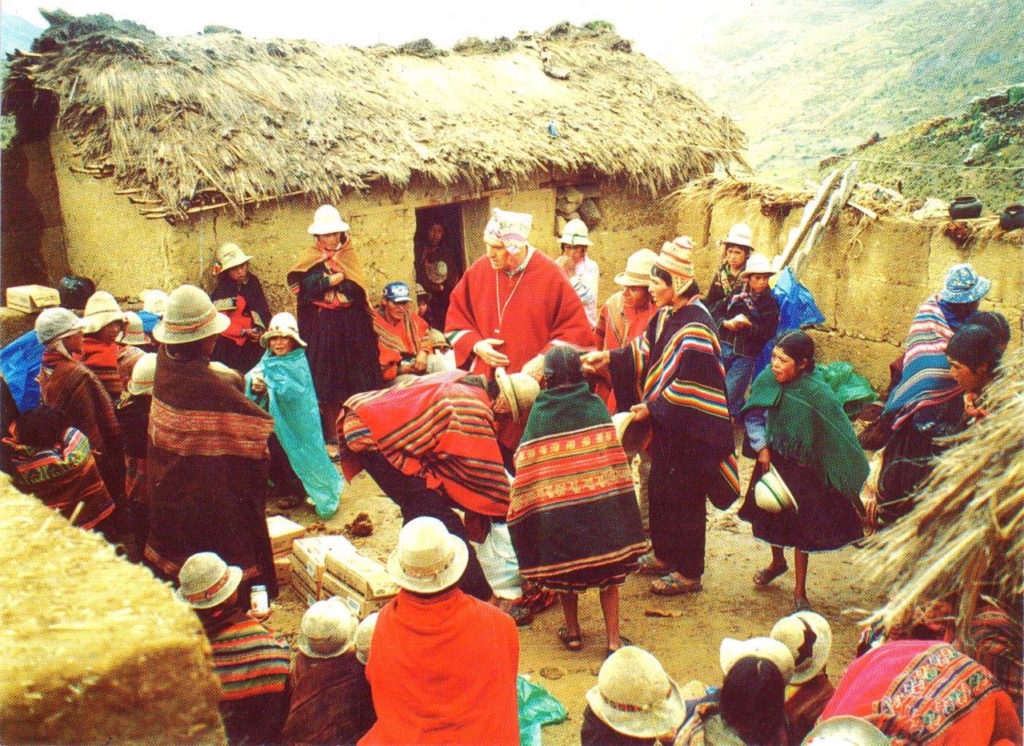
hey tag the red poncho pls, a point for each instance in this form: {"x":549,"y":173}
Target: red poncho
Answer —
{"x":443,"y":670}
{"x":398,"y":340}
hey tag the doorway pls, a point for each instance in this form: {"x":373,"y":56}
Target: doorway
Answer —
{"x":439,"y":257}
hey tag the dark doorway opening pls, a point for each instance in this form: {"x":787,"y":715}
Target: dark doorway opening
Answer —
{"x":439,"y":257}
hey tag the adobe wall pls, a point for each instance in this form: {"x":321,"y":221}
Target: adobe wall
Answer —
{"x":867,"y":276}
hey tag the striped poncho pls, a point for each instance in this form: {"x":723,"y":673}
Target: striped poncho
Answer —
{"x":399,"y":340}
{"x":435,"y":427}
{"x":573,"y":518}
{"x":926,"y":381}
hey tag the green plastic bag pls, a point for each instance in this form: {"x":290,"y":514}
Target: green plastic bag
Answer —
{"x":852,"y":390}
{"x":536,"y":708}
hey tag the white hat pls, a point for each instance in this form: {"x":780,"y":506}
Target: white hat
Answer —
{"x":740,"y":235}
{"x":634,"y":696}
{"x":327,"y":630}
{"x":154,"y":301}
{"x":229,"y":256}
{"x":326,"y":220}
{"x":427,"y":559}
{"x":56,"y":323}
{"x":100,"y":310}
{"x":282,"y":325}
{"x":631,"y":433}
{"x":732,"y":650}
{"x":809,"y":638}
{"x":190,"y":317}
{"x":772,"y":494}
{"x":575,"y":234}
{"x":846,"y":730}
{"x":638,"y":269}
{"x":133,"y":333}
{"x":205,"y":580}
{"x":364,"y":637}
{"x":519,"y":389}
{"x":143,"y":375}
{"x":437,"y":272}
{"x":758,"y":264}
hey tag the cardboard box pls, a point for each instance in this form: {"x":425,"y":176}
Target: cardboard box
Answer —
{"x":308,"y":558}
{"x":365,"y":575}
{"x":357,"y":603}
{"x":31,"y":298}
{"x":283,"y":568}
{"x":282,"y":533}
{"x":307,"y":589}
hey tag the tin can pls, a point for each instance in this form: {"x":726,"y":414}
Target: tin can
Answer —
{"x":259,"y":599}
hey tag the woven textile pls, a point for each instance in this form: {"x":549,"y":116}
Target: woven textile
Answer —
{"x":398,"y":341}
{"x":102,"y":360}
{"x":247,"y":658}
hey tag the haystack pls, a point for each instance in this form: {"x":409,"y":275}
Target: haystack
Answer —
{"x":965,"y":537}
{"x":92,"y":648}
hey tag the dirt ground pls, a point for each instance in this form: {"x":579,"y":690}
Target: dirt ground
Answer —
{"x":687,"y":644}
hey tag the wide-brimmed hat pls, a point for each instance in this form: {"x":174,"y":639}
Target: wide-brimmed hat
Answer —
{"x":575,"y":234}
{"x":56,"y":323}
{"x":772,"y":494}
{"x":740,"y":235}
{"x":732,"y":650}
{"x":326,"y":220}
{"x":190,"y":316}
{"x":205,"y":580}
{"x":846,"y":730}
{"x":437,"y":272}
{"x":364,"y":636}
{"x":509,"y":229}
{"x":964,"y":285}
{"x":638,"y":269}
{"x":133,"y":334}
{"x":397,"y":292}
{"x":328,"y":629}
{"x":634,"y":696}
{"x":631,"y":432}
{"x":427,"y":559}
{"x":100,"y":310}
{"x":282,"y":325}
{"x":143,"y":375}
{"x":676,"y":258}
{"x":758,"y":264}
{"x":809,"y":638}
{"x":519,"y":389}
{"x":154,"y":302}
{"x":229,"y":256}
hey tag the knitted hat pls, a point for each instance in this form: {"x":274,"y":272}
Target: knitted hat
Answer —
{"x":229,"y":256}
{"x":638,"y":269}
{"x":327,"y":630}
{"x":809,"y":638}
{"x":143,"y":375}
{"x":364,"y":636}
{"x":509,"y":229}
{"x":676,"y":259}
{"x":575,"y":234}
{"x":964,"y":285}
{"x":205,"y":580}
{"x":634,"y":696}
{"x":427,"y":559}
{"x":190,"y":317}
{"x":133,"y":333}
{"x":56,"y":323}
{"x":326,"y":220}
{"x":100,"y":310}
{"x":282,"y":325}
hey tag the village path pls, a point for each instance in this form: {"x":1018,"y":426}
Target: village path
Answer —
{"x":687,"y":645}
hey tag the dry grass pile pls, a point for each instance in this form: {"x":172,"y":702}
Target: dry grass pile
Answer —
{"x":775,"y":201}
{"x":222,"y":117}
{"x":93,"y":649}
{"x":965,"y":537}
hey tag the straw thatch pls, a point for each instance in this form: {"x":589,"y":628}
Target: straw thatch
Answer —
{"x":245,"y":120}
{"x":965,"y":536}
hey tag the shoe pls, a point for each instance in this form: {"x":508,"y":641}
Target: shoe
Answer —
{"x":672,"y":585}
{"x":520,"y":614}
{"x":768,"y":574}
{"x":572,"y":642}
{"x":648,"y":565}
{"x":623,"y":642}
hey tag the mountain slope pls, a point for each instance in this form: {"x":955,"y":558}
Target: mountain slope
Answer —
{"x":16,"y":33}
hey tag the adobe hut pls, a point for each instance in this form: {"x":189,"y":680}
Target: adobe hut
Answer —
{"x":163,"y":148}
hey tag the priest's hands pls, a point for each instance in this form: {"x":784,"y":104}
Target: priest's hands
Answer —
{"x":535,"y":368}
{"x":640,"y":412}
{"x":485,"y":350}
{"x":595,"y":361}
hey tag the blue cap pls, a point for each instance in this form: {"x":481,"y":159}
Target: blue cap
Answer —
{"x":397,"y":292}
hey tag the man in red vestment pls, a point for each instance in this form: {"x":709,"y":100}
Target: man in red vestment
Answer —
{"x":511,"y":307}
{"x":442,"y":668}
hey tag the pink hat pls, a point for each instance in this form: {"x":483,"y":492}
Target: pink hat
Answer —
{"x":509,"y":229}
{"x":675,"y":258}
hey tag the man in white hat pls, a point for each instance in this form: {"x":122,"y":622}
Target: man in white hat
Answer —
{"x":251,"y":662}
{"x":239,"y":295}
{"x":575,"y":241}
{"x":69,"y":386}
{"x":429,"y":444}
{"x":443,"y":666}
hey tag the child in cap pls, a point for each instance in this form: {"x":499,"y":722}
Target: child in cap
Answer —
{"x":239,"y":294}
{"x":282,"y":384}
{"x":403,"y":337}
{"x":582,"y":270}
{"x":736,"y":248}
{"x":750,"y":320}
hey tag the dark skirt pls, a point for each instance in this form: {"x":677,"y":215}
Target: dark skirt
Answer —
{"x":826,"y":518}
{"x":342,"y":351}
{"x":237,"y":357}
{"x":906,"y":463}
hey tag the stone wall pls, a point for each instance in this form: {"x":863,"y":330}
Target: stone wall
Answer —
{"x":867,"y":276}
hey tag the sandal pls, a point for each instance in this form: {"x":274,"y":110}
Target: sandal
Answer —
{"x":672,"y":585}
{"x":648,"y":564}
{"x":623,"y":642}
{"x":520,"y":614}
{"x":573,"y":642}
{"x":768,"y":574}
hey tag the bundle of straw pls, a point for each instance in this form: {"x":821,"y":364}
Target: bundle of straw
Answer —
{"x":965,"y":535}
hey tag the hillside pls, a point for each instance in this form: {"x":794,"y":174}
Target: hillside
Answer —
{"x":806,"y":79}
{"x":16,"y":33}
{"x":979,"y":153}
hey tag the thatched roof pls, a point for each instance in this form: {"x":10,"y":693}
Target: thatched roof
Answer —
{"x":247,"y":120}
{"x":965,"y":536}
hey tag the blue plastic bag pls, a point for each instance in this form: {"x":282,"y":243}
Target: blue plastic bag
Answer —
{"x":20,"y":362}
{"x":536,"y":708}
{"x":796,"y":309}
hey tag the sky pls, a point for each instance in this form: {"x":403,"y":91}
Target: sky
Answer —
{"x":664,"y":30}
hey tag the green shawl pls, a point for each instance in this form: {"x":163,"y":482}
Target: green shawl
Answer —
{"x":564,"y":409}
{"x":805,"y":421}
